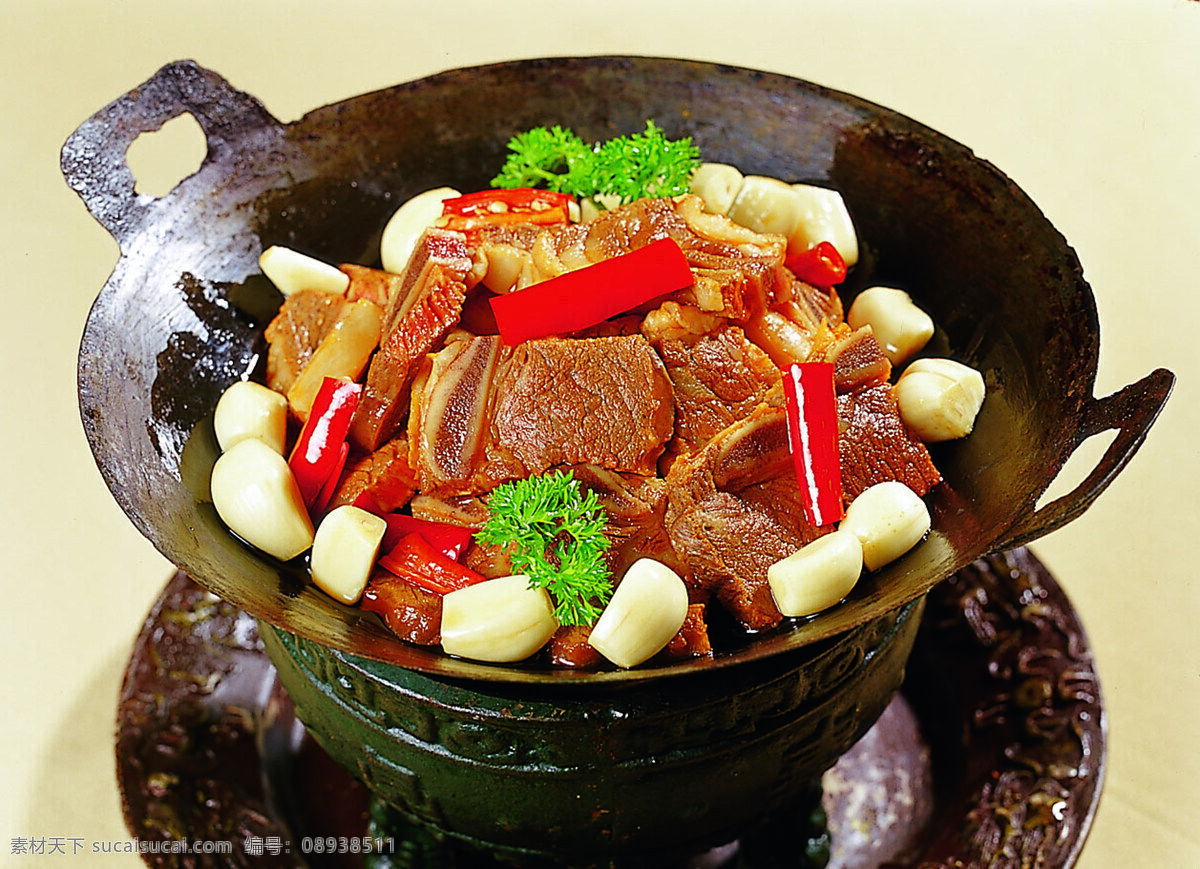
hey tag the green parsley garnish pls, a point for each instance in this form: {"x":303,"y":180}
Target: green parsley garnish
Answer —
{"x":627,"y":167}
{"x":560,"y":542}
{"x":645,"y":164}
{"x":553,"y":158}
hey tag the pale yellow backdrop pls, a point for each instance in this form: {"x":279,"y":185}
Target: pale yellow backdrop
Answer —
{"x":1092,"y":107}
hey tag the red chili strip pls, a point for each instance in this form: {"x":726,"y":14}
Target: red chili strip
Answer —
{"x":516,"y":198}
{"x":415,"y":561}
{"x":331,"y":483}
{"x":450,"y":540}
{"x":821,"y":266}
{"x":813,"y":437}
{"x":498,"y":207}
{"x":592,"y":294}
{"x":318,"y":450}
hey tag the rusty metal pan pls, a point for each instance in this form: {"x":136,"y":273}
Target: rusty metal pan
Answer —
{"x":182,"y":314}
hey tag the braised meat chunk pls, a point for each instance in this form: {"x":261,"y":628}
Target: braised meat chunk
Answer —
{"x":412,"y":613}
{"x":635,"y":506}
{"x":876,"y":446}
{"x":303,"y":321}
{"x":380,"y":482}
{"x":482,"y":413}
{"x":719,"y":375}
{"x":421,"y":312}
{"x":858,"y":360}
{"x":601,"y":401}
{"x":728,"y":539}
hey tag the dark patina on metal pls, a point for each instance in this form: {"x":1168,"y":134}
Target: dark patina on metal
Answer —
{"x":627,"y":771}
{"x":995,"y":750}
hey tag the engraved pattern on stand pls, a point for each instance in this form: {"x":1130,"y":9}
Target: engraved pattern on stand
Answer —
{"x":1043,"y":705}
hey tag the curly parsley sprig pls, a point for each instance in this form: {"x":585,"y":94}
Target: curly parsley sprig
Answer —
{"x":558,"y":533}
{"x":645,"y":164}
{"x":553,"y":158}
{"x":627,"y":167}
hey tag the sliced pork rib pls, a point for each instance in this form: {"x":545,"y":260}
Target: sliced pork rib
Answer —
{"x":483,"y":413}
{"x":422,"y":310}
{"x":450,"y":420}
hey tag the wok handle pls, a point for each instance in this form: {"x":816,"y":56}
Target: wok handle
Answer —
{"x":1131,"y":410}
{"x":93,"y":157}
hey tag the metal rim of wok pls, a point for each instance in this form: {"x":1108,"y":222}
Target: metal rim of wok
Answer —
{"x":181,"y":316}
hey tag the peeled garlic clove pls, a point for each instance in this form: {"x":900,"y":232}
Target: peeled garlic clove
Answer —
{"x":407,"y":224}
{"x":344,"y":551}
{"x":766,"y":205}
{"x":500,"y":620}
{"x":591,"y":207}
{"x":823,"y":217}
{"x":647,"y":609}
{"x":291,"y":271}
{"x":818,"y":575}
{"x":901,"y":328}
{"x":718,"y":184}
{"x":256,"y":495}
{"x":939,"y":398}
{"x":589,"y":210}
{"x":251,"y":410}
{"x":888,"y":519}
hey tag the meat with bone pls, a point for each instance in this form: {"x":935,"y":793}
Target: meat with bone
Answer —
{"x":425,"y":307}
{"x":449,"y":424}
{"x":734,"y":506}
{"x":482,"y":413}
{"x":672,"y":415}
{"x":858,"y":360}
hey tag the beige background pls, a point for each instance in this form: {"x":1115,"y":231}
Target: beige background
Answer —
{"x":1092,"y":107}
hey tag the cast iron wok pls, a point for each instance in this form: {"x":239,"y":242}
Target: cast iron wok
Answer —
{"x":182,"y":314}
